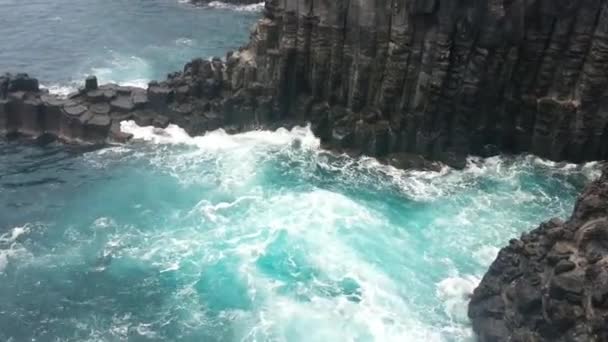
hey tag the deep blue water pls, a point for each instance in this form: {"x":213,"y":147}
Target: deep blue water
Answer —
{"x":254,"y":237}
{"x":126,"y":41}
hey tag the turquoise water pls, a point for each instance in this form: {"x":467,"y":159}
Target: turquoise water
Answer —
{"x":125,"y":41}
{"x":260,"y":236}
{"x":254,"y":237}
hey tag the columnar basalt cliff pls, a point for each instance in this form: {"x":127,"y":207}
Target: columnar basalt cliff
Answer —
{"x":442,"y":79}
{"x":437,"y":78}
{"x":552,"y":284}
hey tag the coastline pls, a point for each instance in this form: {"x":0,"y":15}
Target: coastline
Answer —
{"x":291,"y":74}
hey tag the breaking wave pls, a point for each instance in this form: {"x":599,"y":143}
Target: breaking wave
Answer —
{"x":240,"y":8}
{"x":264,"y":236}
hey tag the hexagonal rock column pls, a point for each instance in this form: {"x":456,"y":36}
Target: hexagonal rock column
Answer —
{"x":90,"y":83}
{"x":96,"y":129}
{"x":51,"y":114}
{"x":3,"y":115}
{"x":71,"y":126}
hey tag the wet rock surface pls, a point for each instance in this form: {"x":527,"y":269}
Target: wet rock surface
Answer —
{"x":552,"y":283}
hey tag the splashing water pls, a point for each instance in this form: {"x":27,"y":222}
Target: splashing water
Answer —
{"x":260,"y":236}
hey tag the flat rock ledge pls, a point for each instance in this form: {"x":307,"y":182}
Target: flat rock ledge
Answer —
{"x":199,"y":99}
{"x":552,"y":283}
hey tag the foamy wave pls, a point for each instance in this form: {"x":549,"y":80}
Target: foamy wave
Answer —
{"x":10,"y":247}
{"x":455,"y":292}
{"x":486,"y":255}
{"x":240,"y":8}
{"x":62,"y":90}
{"x":417,"y":185}
{"x":220,"y":140}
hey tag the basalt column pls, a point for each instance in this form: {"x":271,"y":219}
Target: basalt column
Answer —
{"x":441,"y":78}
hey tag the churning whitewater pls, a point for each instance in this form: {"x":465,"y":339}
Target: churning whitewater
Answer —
{"x":260,"y":236}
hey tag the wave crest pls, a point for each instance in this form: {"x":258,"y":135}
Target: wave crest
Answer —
{"x":239,"y":8}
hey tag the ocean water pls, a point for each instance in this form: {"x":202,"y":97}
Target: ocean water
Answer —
{"x":260,"y":236}
{"x":131,"y":42}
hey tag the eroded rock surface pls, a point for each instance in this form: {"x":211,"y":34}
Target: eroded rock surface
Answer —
{"x":552,"y":283}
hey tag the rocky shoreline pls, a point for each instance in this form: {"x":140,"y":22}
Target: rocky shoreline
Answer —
{"x":552,"y":283}
{"x":418,"y":78}
{"x":402,"y":81}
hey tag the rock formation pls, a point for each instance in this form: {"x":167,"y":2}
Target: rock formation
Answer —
{"x":442,"y":79}
{"x":396,"y":78}
{"x":90,"y":115}
{"x":552,"y":283}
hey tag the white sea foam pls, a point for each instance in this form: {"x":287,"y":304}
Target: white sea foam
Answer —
{"x":14,"y":234}
{"x":62,"y":90}
{"x":240,"y":8}
{"x":486,"y":255}
{"x":381,"y":314}
{"x":454,"y":293}
{"x":10,"y":247}
{"x":220,"y":140}
{"x":288,"y":249}
{"x":185,"y":42}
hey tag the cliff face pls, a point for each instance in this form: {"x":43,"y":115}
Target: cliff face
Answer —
{"x":440,"y":78}
{"x":552,"y":284}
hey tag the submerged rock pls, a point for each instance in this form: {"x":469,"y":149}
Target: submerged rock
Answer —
{"x":552,"y":283}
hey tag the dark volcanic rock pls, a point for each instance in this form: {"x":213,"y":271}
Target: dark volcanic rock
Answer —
{"x":22,"y":82}
{"x":437,"y":78}
{"x":552,"y":284}
{"x":122,"y":104}
{"x":90,"y":83}
{"x":450,"y":78}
